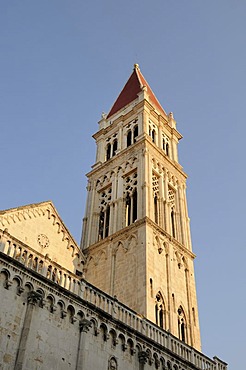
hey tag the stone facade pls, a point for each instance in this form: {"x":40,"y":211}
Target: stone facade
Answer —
{"x":125,"y":299}
{"x":48,"y":326}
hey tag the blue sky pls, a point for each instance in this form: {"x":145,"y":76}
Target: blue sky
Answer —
{"x":64,"y":62}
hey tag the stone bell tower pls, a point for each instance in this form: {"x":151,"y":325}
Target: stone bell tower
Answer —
{"x":136,"y":232}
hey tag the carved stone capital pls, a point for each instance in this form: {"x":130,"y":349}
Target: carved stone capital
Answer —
{"x":84,"y":325}
{"x":7,"y":284}
{"x":143,"y":357}
{"x":33,"y":298}
{"x":20,"y":290}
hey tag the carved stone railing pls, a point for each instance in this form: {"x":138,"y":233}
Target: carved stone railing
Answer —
{"x":147,"y":328}
{"x":102,"y":301}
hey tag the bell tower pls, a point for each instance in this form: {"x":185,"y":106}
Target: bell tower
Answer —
{"x":136,"y":231}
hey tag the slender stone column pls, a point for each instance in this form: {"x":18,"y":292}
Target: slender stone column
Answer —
{"x":92,"y":238}
{"x":187,"y":280}
{"x":161,"y":202}
{"x":84,"y":327}
{"x":169,"y":327}
{"x":143,"y":358}
{"x":32,"y":299}
{"x":167,"y":206}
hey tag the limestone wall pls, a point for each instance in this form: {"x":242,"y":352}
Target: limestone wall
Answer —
{"x":46,"y":326}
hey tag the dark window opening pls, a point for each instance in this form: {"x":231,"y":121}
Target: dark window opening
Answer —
{"x":134,"y":208}
{"x":156,"y":314}
{"x":107,"y":221}
{"x":153,"y":136}
{"x":156,"y":209}
{"x":101,"y":225}
{"x":151,"y":287}
{"x":115,"y":147}
{"x":167,"y":149}
{"x":173,"y":223}
{"x":129,"y":138}
{"x":161,"y":318}
{"x":108,"y":152}
{"x":128,"y":210}
{"x":183,"y":332}
{"x":135,"y":133}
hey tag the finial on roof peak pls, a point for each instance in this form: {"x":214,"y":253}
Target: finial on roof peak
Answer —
{"x":136,"y":66}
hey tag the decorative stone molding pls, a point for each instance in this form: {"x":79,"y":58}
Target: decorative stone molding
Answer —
{"x":143,"y":357}
{"x":84,"y":325}
{"x":33,"y":298}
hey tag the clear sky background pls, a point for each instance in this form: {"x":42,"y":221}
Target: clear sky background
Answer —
{"x":62,"y":63}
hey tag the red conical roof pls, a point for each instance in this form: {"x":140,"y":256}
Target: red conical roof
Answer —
{"x":131,"y":90}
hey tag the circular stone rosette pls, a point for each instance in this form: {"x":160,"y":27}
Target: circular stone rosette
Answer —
{"x":43,"y":240}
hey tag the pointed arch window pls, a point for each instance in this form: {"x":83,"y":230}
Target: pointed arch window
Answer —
{"x":155,"y":188}
{"x":181,"y":324}
{"x":167,"y":149}
{"x":131,"y":207}
{"x":131,"y":198}
{"x":172,"y":201}
{"x":153,"y":136}
{"x":104,"y":215}
{"x":165,"y":145}
{"x":159,"y":310}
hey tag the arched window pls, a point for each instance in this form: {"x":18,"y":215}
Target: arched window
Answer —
{"x":115,"y":146}
{"x":167,"y":149}
{"x":104,"y":218}
{"x":104,"y":215}
{"x":108,"y":151}
{"x":101,"y":225}
{"x":181,"y":324}
{"x":135,"y":133}
{"x":159,"y":310}
{"x":129,"y":138}
{"x":163,"y":144}
{"x":155,"y":188}
{"x":153,"y":136}
{"x":131,"y":198}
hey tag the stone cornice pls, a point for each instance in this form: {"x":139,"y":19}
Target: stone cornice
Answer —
{"x":129,"y":229}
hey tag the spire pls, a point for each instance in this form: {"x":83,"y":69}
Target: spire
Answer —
{"x":135,"y":84}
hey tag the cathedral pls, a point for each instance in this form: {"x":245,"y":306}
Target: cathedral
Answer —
{"x":125,"y":299}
